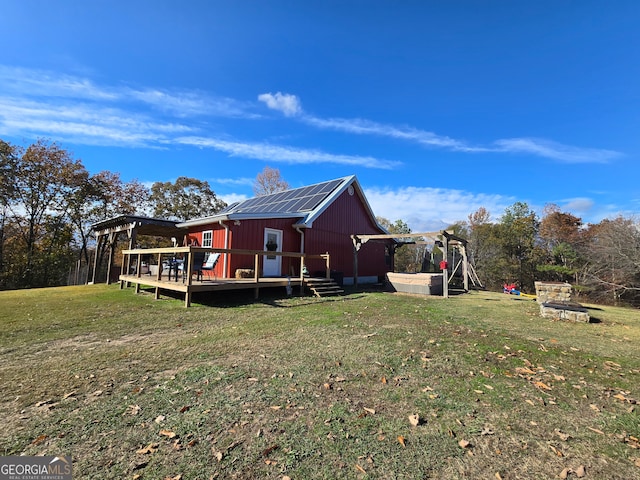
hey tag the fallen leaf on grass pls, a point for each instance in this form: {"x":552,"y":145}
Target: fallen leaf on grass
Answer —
{"x":159,"y":419}
{"x":152,"y":447}
{"x":594,"y":407}
{"x":525,"y":371}
{"x":217,"y":455}
{"x":185,"y":408}
{"x":360,"y":469}
{"x":563,"y":436}
{"x":369,"y":410}
{"x":414,"y":420}
{"x":39,"y":439}
{"x":401,"y":440}
{"x":384,"y":380}
{"x":132,"y":410}
{"x":580,"y":472}
{"x":464,"y":444}
{"x":177,"y":477}
{"x":269,"y":450}
{"x":486,"y":431}
{"x":596,"y":430}
{"x":67,"y":395}
{"x":637,"y":462}
{"x":167,"y":433}
{"x":541,"y":385}
{"x":556,"y":451}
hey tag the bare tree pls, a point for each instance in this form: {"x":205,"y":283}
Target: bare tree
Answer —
{"x":269,"y":181}
{"x":612,"y":268}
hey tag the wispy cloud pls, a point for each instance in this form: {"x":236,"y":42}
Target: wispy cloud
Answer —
{"x":428,"y":209}
{"x":555,"y":150}
{"x":529,"y":146}
{"x":242,"y":181}
{"x":284,"y":154}
{"x":77,"y":110}
{"x":290,"y":105}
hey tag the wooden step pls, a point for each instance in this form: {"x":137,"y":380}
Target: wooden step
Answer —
{"x":323,"y":287}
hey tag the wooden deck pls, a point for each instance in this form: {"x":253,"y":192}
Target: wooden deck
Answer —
{"x":187,"y":284}
{"x":205,"y":285}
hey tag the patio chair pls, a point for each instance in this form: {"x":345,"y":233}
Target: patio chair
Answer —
{"x":198,"y":261}
{"x":210,"y":264}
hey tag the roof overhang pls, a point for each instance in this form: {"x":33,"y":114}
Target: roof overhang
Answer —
{"x":198,"y":222}
{"x":143,"y":226}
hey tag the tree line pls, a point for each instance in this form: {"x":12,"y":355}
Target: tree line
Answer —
{"x":49,"y":201}
{"x":601,"y":261}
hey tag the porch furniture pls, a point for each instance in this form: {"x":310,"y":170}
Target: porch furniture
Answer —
{"x":173,"y":265}
{"x":198,"y":262}
{"x":210,"y":264}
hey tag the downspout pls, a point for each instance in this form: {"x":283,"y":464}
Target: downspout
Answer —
{"x":302,"y":265}
{"x":301,"y":232}
{"x":226,"y":245}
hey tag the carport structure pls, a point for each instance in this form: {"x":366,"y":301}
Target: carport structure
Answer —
{"x":108,"y":231}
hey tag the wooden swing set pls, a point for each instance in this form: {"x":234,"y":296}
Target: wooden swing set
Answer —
{"x":444,"y":240}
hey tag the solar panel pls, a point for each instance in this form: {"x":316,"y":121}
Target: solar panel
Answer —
{"x":302,"y":199}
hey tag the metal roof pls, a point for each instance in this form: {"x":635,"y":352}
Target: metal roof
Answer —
{"x":143,"y":225}
{"x":305,"y":203}
{"x":297,"y":201}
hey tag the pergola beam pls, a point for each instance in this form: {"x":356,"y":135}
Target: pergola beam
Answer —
{"x":443,"y":238}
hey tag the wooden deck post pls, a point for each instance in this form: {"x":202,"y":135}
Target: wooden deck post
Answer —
{"x":256,"y":274}
{"x":95,"y":258}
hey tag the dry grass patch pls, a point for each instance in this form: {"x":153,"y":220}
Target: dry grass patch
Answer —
{"x":318,"y":388}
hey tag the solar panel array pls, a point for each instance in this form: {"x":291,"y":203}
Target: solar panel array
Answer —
{"x":302,"y":200}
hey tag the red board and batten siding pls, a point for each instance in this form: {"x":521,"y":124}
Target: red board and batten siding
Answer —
{"x":249,"y":235}
{"x":331,"y":233}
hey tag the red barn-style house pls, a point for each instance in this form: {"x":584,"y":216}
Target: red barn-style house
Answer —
{"x":315,"y":219}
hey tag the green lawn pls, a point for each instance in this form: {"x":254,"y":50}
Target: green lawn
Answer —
{"x":307,"y":388}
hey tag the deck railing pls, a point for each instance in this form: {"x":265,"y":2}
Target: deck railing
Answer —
{"x":132,"y":263}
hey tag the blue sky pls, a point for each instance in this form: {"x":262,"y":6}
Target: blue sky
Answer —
{"x":439,"y":108}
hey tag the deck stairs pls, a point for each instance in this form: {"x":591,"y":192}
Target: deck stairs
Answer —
{"x":323,"y":287}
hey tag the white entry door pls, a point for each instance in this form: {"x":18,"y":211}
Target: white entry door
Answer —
{"x":272,"y":264}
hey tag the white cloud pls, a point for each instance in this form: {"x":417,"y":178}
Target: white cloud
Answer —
{"x":290,"y":105}
{"x":530,"y":146}
{"x":427,"y":209}
{"x":284,"y":154}
{"x":367,"y":127}
{"x":555,"y":150}
{"x":84,"y":123}
{"x":286,"y":103}
{"x":242,"y":181}
{"x":232,"y":198}
{"x":578,"y":206}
